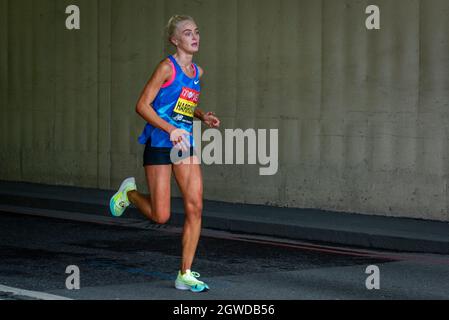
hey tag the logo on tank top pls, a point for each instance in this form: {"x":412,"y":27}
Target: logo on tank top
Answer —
{"x":185,"y":106}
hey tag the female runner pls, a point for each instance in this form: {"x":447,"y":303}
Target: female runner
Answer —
{"x":169,"y":103}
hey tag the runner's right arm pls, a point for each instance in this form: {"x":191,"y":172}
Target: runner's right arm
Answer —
{"x":144,"y":108}
{"x":144,"y":105}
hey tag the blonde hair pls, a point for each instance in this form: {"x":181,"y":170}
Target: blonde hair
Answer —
{"x":173,"y":23}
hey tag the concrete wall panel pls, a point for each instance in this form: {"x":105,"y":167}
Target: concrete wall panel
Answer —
{"x":362,"y":115}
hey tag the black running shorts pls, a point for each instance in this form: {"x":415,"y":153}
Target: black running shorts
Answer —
{"x":161,"y":156}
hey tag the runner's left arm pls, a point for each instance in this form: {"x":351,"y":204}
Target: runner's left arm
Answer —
{"x":209,"y":118}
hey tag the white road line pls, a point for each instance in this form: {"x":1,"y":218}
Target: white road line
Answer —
{"x":31,"y":294}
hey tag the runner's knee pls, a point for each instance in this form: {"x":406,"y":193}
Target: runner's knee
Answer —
{"x":161,"y":216}
{"x":194,"y":208}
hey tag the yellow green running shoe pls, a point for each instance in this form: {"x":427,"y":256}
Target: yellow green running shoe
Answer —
{"x":189,"y":281}
{"x":119,"y":201}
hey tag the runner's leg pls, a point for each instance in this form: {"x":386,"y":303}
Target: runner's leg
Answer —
{"x":190,"y":182}
{"x":155,"y":206}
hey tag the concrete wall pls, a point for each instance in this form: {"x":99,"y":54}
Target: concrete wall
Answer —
{"x":363,"y":115}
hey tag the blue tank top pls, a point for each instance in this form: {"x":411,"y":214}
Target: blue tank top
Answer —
{"x":175,"y":103}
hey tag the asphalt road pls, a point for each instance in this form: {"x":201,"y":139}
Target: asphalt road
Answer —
{"x":127,"y":263}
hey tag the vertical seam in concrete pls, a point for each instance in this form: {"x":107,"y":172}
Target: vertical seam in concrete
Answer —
{"x":217,"y":65}
{"x":9,"y":137}
{"x":20,"y":150}
{"x":260,"y":59}
{"x":109,"y":153}
{"x":98,"y":93}
{"x":418,"y":106}
{"x":165,"y":46}
{"x":33,"y":88}
{"x":110,"y":93}
{"x":7,"y":63}
{"x":104,"y":83}
{"x":321,"y":85}
{"x":419,"y":57}
{"x":237,"y":64}
{"x":419,"y":161}
{"x":53,"y":149}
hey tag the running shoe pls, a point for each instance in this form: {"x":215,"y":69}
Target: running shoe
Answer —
{"x":189,"y":281}
{"x":119,"y":201}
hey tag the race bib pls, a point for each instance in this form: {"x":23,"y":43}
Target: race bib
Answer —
{"x":185,"y":106}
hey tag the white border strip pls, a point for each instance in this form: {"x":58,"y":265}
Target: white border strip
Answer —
{"x":31,"y":294}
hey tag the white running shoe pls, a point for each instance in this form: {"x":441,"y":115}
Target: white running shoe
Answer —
{"x":119,"y":201}
{"x":189,"y":281}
